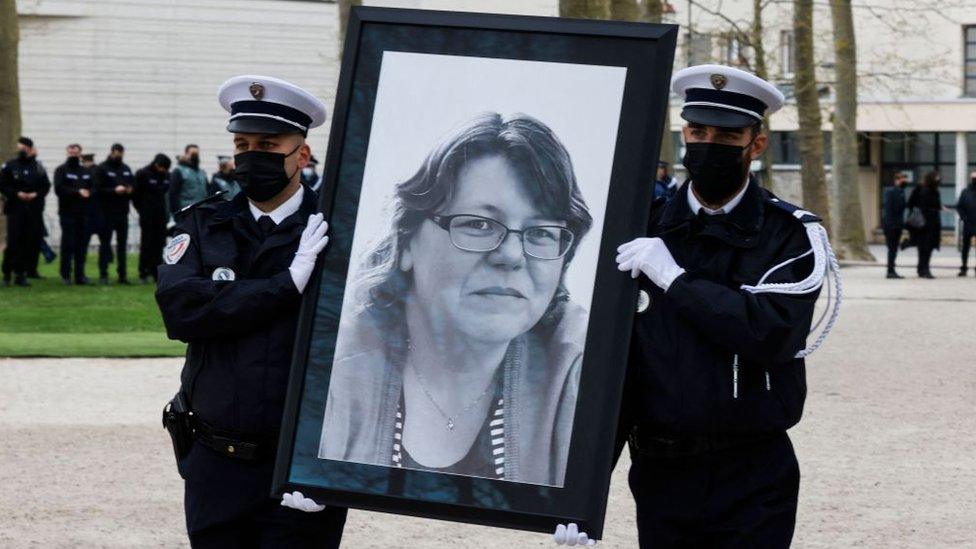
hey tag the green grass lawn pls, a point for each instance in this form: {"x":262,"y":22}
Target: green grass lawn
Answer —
{"x":51,"y":319}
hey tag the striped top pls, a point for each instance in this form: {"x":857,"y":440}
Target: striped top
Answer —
{"x":486,"y":458}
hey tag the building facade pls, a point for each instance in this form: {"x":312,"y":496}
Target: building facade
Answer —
{"x":145,"y":73}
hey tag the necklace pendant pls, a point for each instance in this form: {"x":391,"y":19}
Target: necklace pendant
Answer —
{"x":450,"y":425}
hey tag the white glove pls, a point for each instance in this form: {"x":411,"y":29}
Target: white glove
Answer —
{"x":312,"y":242}
{"x":651,"y":257}
{"x":296,"y":500}
{"x":570,"y":535}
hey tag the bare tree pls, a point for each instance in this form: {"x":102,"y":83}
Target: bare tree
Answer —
{"x":759,"y":54}
{"x":813,"y":181}
{"x":344,"y":7}
{"x":9,"y":87}
{"x":850,"y":226}
{"x":585,"y":9}
{"x":645,"y":11}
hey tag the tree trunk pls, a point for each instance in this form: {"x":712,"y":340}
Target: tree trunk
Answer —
{"x":9,"y":89}
{"x":759,"y":51}
{"x":646,"y":11}
{"x":810,"y":136}
{"x":585,"y":9}
{"x":344,"y":7}
{"x":655,"y":10}
{"x":850,"y":226}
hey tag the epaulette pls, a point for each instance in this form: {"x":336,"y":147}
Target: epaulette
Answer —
{"x":187,"y":209}
{"x":795,"y":211}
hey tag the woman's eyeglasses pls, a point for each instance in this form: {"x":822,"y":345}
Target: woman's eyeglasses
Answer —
{"x":475,"y":233}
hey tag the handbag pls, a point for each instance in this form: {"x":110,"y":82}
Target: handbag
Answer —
{"x":916,"y":219}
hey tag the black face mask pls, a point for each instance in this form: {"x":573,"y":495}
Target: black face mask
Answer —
{"x":261,"y":174}
{"x":972,"y":181}
{"x":194,"y":160}
{"x":22,"y":155}
{"x":73,"y":161}
{"x":716,"y":170}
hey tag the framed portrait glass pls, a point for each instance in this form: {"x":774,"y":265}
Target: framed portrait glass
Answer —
{"x":462,"y":345}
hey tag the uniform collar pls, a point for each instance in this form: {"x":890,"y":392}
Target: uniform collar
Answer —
{"x":738,"y":227}
{"x":697,"y":206}
{"x":286,"y":208}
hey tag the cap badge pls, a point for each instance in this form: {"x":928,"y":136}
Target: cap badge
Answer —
{"x":257,"y":90}
{"x":719,"y":81}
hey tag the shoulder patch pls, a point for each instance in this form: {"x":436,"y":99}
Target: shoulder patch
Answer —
{"x":187,"y":209}
{"x":176,"y":248}
{"x":799,"y":213}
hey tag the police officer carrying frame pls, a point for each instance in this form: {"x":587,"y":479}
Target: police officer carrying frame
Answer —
{"x":230,"y":287}
{"x":716,"y":372}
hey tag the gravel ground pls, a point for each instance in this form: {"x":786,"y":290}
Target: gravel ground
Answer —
{"x":886,"y":447}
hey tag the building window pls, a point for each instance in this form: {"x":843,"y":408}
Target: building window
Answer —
{"x":918,"y":153}
{"x":736,"y":50}
{"x":699,"y":48}
{"x":786,"y":149}
{"x":787,"y":53}
{"x":969,"y":68}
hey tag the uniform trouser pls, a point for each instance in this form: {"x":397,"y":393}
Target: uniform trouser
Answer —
{"x":74,"y":245}
{"x":892,"y":239}
{"x":24,"y":233}
{"x":151,"y":242}
{"x":272,"y":527}
{"x":739,"y":497}
{"x":228,"y":504}
{"x":967,"y":240}
{"x":118,"y":224}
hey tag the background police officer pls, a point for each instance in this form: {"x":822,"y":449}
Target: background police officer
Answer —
{"x":188,"y":182}
{"x":24,"y":184}
{"x":73,"y":185}
{"x":149,"y":199}
{"x":231,"y":287}
{"x":223,"y":180}
{"x":727,"y":299}
{"x":114,"y":184}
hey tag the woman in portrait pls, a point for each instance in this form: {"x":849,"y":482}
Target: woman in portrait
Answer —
{"x":464,"y":353}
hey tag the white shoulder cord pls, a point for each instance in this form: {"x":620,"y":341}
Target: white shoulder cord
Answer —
{"x":824,"y":264}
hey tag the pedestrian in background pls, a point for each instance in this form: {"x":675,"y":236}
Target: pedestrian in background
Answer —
{"x":310,"y":178}
{"x":187,"y":183}
{"x":73,"y":186}
{"x":149,"y":199}
{"x":223,"y":180}
{"x":665,"y":186}
{"x":893,"y":219}
{"x":925,"y":197}
{"x":23,"y":184}
{"x":966,"y":208}
{"x":113,"y":181}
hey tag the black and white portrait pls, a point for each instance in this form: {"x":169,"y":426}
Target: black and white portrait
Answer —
{"x":466,"y":307}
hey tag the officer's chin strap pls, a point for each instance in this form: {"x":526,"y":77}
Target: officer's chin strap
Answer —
{"x":824,"y":264}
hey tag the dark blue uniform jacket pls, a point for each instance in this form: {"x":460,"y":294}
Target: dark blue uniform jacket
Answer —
{"x":683,"y":347}
{"x":241,"y":332}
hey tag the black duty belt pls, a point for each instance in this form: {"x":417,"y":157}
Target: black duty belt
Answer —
{"x":651,"y":445}
{"x":233,"y":445}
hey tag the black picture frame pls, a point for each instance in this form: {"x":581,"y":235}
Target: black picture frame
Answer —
{"x":647,"y":51}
